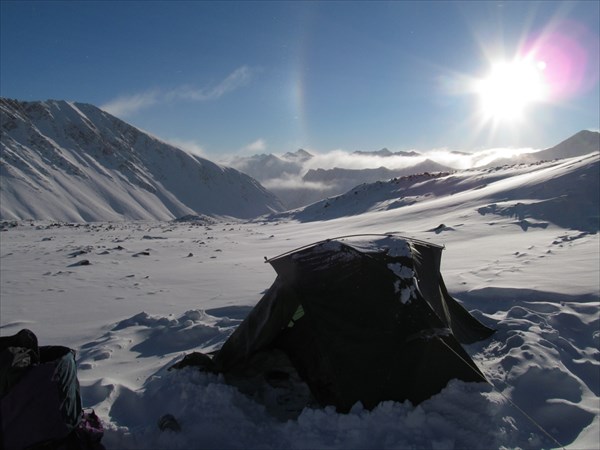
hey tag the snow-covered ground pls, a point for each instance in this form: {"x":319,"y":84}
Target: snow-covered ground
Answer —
{"x":154,"y":291}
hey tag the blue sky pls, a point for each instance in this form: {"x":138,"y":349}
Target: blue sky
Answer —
{"x":228,"y":77}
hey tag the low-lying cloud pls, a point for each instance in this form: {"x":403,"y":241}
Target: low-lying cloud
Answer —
{"x":480,"y":158}
{"x":337,"y":171}
{"x":257,"y":146}
{"x":293,"y":182}
{"x":345,"y":160}
{"x":455,"y":160}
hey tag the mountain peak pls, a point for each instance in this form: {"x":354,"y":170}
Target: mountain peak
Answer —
{"x":298,"y":155}
{"x":74,"y":162}
{"x":581,"y":143}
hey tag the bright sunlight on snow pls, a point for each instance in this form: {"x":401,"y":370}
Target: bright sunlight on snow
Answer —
{"x":151,"y":292}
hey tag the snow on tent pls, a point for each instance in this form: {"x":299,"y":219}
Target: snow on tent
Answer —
{"x":361,"y":319}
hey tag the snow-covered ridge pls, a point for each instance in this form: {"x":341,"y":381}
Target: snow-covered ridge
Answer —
{"x":74,"y":162}
{"x":563,"y":192}
{"x":301,"y":178}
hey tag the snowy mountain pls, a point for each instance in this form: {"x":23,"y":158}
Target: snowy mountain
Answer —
{"x":74,"y":162}
{"x":265,"y":167}
{"x":299,"y":155}
{"x":292,"y":178}
{"x":132,"y":298}
{"x":517,"y":256}
{"x":564,"y":192}
{"x":299,"y":179}
{"x":345,"y":179}
{"x":579,"y":144}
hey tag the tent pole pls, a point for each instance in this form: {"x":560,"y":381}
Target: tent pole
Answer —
{"x":395,"y":234}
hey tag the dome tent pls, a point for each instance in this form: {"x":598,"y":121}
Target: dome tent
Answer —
{"x":361,"y":318}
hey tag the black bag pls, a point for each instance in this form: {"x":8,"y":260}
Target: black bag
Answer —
{"x":40,"y":400}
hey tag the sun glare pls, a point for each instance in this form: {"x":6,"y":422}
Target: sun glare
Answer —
{"x":510,"y":88}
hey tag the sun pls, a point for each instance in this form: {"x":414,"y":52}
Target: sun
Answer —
{"x":510,"y":88}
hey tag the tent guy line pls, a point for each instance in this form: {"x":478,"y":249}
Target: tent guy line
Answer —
{"x":527,"y":416}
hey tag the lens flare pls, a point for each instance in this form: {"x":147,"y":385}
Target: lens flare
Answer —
{"x":510,"y":87}
{"x":568,"y":69}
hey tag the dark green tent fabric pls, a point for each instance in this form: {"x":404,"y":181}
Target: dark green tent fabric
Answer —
{"x":364,"y":318}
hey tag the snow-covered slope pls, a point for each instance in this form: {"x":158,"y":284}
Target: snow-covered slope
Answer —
{"x":74,"y":162}
{"x":564,"y":192}
{"x":152,"y":291}
{"x":579,"y":144}
{"x":299,"y":179}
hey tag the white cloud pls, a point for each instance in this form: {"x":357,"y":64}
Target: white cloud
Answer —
{"x":189,"y":146}
{"x":128,"y":105}
{"x":257,"y":146}
{"x":456,"y":160}
{"x":478,"y":158}
{"x":235,"y":80}
{"x":292,"y":182}
{"x":345,"y":160}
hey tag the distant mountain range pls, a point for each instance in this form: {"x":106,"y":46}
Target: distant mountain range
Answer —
{"x":74,"y":162}
{"x":565,"y":192}
{"x":298,"y":181}
{"x":266,"y":167}
{"x":348,"y":177}
{"x":287,"y":177}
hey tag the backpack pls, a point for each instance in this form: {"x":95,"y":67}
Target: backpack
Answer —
{"x":40,"y":400}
